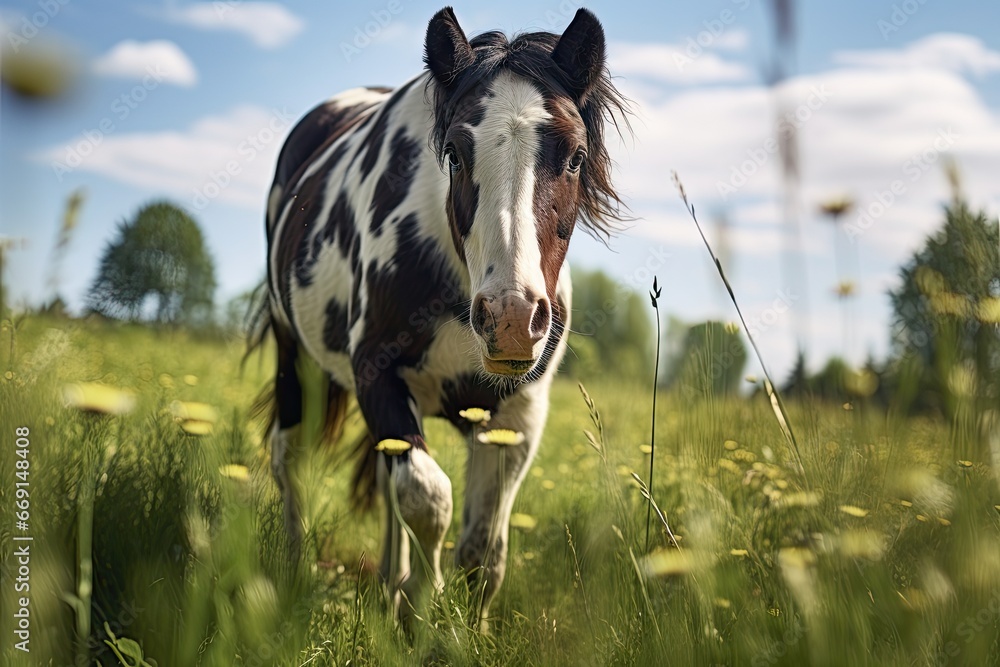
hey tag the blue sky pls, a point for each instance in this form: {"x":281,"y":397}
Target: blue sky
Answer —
{"x":169,"y":92}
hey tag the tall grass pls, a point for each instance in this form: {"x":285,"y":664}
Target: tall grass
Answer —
{"x":879,"y":561}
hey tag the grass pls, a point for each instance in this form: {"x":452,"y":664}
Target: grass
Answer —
{"x":890,"y":555}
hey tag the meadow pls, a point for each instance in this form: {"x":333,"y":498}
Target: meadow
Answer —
{"x":878,"y":545}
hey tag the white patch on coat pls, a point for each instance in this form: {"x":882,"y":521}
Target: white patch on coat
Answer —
{"x":503,"y":235}
{"x":451,"y":354}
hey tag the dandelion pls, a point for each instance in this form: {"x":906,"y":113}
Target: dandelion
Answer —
{"x":97,"y":398}
{"x":739,"y":553}
{"x":854,"y":510}
{"x":906,"y":503}
{"x":191,"y":411}
{"x":449,"y":544}
{"x":845,"y":289}
{"x":548,"y":484}
{"x":800,"y":499}
{"x":501,"y":436}
{"x":950,"y":303}
{"x":726,"y":464}
{"x":722,"y":603}
{"x":190,"y":380}
{"x":731,"y":445}
{"x":194,"y":418}
{"x":646,"y":449}
{"x":234,"y":471}
{"x":861,"y":544}
{"x":861,"y":383}
{"x":392,"y":446}
{"x":836,"y":206}
{"x":965,"y":464}
{"x":166,"y":381}
{"x":988,"y":310}
{"x":668,"y":562}
{"x":524,"y":522}
{"x":475,"y":415}
{"x":195,"y":427}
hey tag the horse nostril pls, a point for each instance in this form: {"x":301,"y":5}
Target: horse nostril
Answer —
{"x":480,"y":315}
{"x":540,"y":320}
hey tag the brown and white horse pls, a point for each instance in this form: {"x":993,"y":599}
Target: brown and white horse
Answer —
{"x":417,"y":240}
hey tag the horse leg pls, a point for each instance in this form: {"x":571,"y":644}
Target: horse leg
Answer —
{"x":417,"y":494}
{"x":285,"y":435}
{"x":493,"y":476}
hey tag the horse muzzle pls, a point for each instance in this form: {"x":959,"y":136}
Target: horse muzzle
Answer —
{"x":513,"y":330}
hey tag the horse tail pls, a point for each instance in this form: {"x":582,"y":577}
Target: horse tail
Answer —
{"x":259,"y":327}
{"x":363,"y":484}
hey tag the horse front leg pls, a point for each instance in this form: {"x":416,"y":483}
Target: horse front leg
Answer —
{"x":493,"y":476}
{"x":417,"y":494}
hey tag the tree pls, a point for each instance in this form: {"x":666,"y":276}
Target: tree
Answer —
{"x":710,"y":360}
{"x":611,"y":327}
{"x":157,"y":267}
{"x":947,"y":305}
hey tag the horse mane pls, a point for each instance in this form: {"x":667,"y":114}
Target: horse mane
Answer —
{"x":529,"y":55}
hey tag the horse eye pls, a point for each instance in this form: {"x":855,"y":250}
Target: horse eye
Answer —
{"x":450,"y":154}
{"x":576,"y":161}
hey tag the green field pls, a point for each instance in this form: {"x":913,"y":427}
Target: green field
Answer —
{"x":883,"y":548}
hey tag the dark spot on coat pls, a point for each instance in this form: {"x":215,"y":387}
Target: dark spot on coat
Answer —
{"x":394,"y":184}
{"x":335,"y":332}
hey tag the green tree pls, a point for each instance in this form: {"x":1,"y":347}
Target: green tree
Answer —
{"x":611,"y":327}
{"x":947,"y":307}
{"x":156,"y":267}
{"x":710,"y":360}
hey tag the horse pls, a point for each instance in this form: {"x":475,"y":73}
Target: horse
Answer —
{"x":416,"y":252}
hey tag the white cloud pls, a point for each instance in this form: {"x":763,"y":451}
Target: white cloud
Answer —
{"x":733,"y":40}
{"x":268,"y":24}
{"x":226,"y":158}
{"x":891,"y":116}
{"x":671,"y":63}
{"x":162,"y":59}
{"x":950,"y":51}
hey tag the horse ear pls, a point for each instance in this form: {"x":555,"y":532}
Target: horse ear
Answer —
{"x":446,"y":51}
{"x":580,"y":53}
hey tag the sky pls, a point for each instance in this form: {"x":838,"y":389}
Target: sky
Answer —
{"x":881,"y":94}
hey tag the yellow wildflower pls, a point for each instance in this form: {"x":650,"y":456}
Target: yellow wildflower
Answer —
{"x":234,"y":471}
{"x":854,"y":510}
{"x":392,"y":446}
{"x":475,"y":415}
{"x":524,"y":522}
{"x":501,"y":436}
{"x":97,"y":398}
